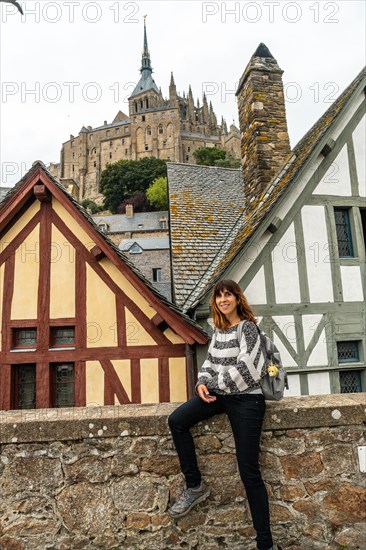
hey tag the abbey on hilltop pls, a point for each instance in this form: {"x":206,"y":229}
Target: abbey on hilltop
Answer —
{"x":170,"y":129}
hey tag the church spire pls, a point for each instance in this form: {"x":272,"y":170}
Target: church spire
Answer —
{"x":146,"y":61}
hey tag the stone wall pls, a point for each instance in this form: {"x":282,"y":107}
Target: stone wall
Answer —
{"x":101,"y":478}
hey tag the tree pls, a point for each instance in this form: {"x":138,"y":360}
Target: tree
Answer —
{"x":207,"y":156}
{"x":139,"y":202}
{"x":157,"y":193}
{"x":210,"y":156}
{"x":125,"y":178}
{"x":92,"y":206}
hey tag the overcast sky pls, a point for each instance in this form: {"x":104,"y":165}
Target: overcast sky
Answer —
{"x":66,"y":64}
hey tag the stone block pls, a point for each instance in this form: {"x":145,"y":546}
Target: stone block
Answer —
{"x":305,"y":465}
{"x":162,"y":465}
{"x":92,"y":469}
{"x":346,"y":505}
{"x":87,"y":509}
{"x":131,"y":494}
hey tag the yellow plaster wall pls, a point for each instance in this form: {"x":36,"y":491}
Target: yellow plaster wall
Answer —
{"x":123,"y":370}
{"x":1,"y":296}
{"x":100,"y":312}
{"x":26,"y":275}
{"x":127,"y":287}
{"x":149,"y":380}
{"x":72,"y":224}
{"x":178,"y":379}
{"x":173,"y":337}
{"x":21,"y":223}
{"x":94,"y":383}
{"x":136,"y":335}
{"x":62,"y":288}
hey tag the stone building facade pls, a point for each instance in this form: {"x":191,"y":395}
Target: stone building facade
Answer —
{"x":167,"y":128}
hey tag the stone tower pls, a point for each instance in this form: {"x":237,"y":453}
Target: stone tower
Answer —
{"x":265,"y":144}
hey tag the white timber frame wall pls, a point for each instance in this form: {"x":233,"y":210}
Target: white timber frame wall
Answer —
{"x":305,"y":295}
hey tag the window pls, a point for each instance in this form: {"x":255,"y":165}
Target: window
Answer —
{"x":73,"y":155}
{"x":63,"y":388}
{"x":163,"y":115}
{"x":172,"y":114}
{"x":164,"y":144}
{"x":148,"y":131}
{"x":187,"y":158}
{"x":110,"y":155}
{"x":110,"y":143}
{"x":62,"y":337}
{"x":24,"y":386}
{"x":123,"y":141}
{"x":350,"y":381}
{"x":95,"y":164}
{"x":117,"y":130}
{"x":140,"y":226}
{"x":103,"y":227}
{"x":126,"y":130}
{"x":156,"y":274}
{"x":146,"y":147}
{"x":73,"y":168}
{"x":188,"y":149}
{"x":348,"y":351}
{"x":126,"y":151}
{"x":163,"y":224}
{"x":135,"y":249}
{"x":154,"y":116}
{"x":107,"y":133}
{"x":143,"y":118}
{"x":343,"y":229}
{"x":24,"y":338}
{"x":160,"y":129}
{"x":141,"y":104}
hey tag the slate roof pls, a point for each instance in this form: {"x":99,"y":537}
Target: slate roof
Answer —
{"x":3,"y":192}
{"x":148,"y":243}
{"x":119,"y":223}
{"x":224,"y":250}
{"x":39,"y":164}
{"x":206,"y":204}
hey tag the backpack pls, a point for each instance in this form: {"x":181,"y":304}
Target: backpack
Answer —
{"x":273,"y":385}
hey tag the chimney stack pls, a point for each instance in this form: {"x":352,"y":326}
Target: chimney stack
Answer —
{"x":265,"y":144}
{"x":129,"y":210}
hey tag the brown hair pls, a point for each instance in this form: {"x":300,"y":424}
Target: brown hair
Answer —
{"x":244,"y":310}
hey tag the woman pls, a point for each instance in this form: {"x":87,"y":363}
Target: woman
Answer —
{"x":228,"y":382}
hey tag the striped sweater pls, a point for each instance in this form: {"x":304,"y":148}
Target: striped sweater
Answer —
{"x":233,"y":367}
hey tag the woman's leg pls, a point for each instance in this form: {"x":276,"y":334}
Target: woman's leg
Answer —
{"x":246,"y":414}
{"x":180,"y":422}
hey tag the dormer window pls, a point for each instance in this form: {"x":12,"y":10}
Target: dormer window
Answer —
{"x":135,"y":249}
{"x":163,"y":223}
{"x":103,"y":227}
{"x":140,"y":226}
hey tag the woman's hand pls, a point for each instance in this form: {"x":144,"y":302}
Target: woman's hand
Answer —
{"x":204,"y":394}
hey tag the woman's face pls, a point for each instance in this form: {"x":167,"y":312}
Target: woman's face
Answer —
{"x":226,"y":302}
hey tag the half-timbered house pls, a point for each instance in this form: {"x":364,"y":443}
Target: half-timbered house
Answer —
{"x":79,"y":324}
{"x":292,"y":232}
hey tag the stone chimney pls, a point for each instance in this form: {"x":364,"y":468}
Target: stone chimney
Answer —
{"x":265,"y":144}
{"x":129,"y":210}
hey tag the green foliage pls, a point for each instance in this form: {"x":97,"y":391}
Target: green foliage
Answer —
{"x":207,"y":156}
{"x":211,"y":156}
{"x":157,"y":193}
{"x":126,"y":178}
{"x":92,"y":206}
{"x":229,"y":162}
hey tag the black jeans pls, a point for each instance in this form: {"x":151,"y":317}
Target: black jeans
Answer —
{"x":245,"y":413}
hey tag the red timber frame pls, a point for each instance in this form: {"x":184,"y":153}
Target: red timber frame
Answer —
{"x":39,"y":186}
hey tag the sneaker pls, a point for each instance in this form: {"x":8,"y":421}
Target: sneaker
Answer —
{"x":189,"y":498}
